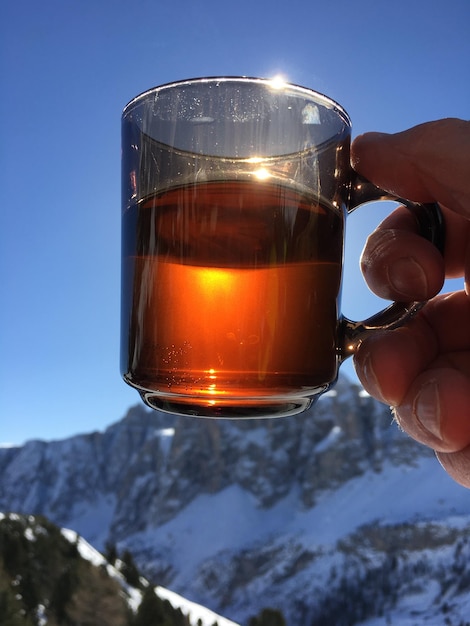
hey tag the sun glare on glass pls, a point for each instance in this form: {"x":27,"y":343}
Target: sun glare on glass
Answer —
{"x":278,"y":81}
{"x":262,"y":173}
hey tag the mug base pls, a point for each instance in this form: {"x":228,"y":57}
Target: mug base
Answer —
{"x":235,"y":408}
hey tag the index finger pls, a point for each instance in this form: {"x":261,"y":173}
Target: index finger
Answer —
{"x":427,"y":163}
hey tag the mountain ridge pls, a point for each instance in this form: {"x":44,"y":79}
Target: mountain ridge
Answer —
{"x":246,"y":514}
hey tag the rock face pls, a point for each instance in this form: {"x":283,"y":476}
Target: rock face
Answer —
{"x":146,"y":468}
{"x":273,"y":500}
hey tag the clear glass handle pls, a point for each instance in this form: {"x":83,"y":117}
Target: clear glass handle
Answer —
{"x":431,"y":226}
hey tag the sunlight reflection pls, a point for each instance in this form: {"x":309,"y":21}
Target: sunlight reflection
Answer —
{"x":262,"y":173}
{"x":278,"y":82}
{"x":215,"y":282}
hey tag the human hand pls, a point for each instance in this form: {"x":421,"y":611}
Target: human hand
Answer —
{"x":423,"y":368}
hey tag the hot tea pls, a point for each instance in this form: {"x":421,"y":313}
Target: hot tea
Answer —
{"x":235,"y":291}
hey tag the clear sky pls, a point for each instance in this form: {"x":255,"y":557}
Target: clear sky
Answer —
{"x":68,"y":67}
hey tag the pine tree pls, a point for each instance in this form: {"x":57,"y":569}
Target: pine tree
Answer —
{"x":268,"y":617}
{"x":63,"y":590}
{"x":153,"y":611}
{"x":29,"y":591}
{"x":129,"y":570}
{"x":10,"y":612}
{"x":110,"y":552}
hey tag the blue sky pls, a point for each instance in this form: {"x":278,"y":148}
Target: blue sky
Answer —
{"x":67,"y":70}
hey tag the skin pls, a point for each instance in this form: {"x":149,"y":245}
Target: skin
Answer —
{"x":422,"y":370}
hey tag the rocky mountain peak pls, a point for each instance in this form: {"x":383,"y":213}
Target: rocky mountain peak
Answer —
{"x":240,"y":515}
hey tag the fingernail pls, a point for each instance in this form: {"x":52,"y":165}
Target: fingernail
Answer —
{"x":426,"y":409}
{"x":408,"y":278}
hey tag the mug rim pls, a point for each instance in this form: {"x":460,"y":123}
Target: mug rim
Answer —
{"x":274,"y":83}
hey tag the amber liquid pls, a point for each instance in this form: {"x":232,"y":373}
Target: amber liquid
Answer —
{"x":230,"y":293}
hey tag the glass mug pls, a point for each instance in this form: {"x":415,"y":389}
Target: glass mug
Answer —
{"x":234,"y":197}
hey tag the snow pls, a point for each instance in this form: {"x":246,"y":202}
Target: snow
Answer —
{"x":396,"y":495}
{"x":207,"y":534}
{"x":94,"y":557}
{"x":85,"y":550}
{"x":166,"y":438}
{"x":28,"y":533}
{"x":255,"y":436}
{"x":92,"y":520}
{"x":41,"y":618}
{"x":192,"y":610}
{"x":418,"y":608}
{"x":12,"y":516}
{"x":241,"y":522}
{"x":135,"y":597}
{"x":329,"y":441}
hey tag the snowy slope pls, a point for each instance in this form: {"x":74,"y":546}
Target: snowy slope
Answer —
{"x":287,"y":551}
{"x":192,"y":610}
{"x":31,"y":528}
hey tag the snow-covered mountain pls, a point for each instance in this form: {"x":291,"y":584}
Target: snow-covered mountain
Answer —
{"x":333,"y":516}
